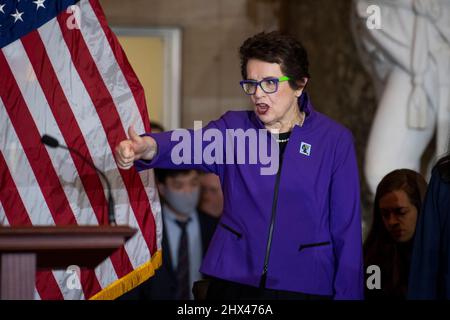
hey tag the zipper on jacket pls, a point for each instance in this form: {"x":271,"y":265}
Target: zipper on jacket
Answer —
{"x":262,"y":282}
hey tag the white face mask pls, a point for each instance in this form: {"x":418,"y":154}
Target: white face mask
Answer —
{"x":183,"y":202}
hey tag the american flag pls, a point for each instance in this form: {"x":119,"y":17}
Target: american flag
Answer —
{"x":63,"y":73}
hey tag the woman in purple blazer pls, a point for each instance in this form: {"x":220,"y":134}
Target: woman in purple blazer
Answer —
{"x":291,"y":225}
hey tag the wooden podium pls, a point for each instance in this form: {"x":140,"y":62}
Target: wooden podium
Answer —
{"x":23,"y":250}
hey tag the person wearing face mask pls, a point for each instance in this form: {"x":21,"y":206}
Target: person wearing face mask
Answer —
{"x":187,"y":232}
{"x":398,"y":202}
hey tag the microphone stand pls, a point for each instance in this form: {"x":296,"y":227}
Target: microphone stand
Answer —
{"x":52,"y":142}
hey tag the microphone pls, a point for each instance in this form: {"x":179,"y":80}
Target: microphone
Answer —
{"x":53,"y":143}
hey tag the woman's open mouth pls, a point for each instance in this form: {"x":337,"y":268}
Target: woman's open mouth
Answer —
{"x":262,"y":108}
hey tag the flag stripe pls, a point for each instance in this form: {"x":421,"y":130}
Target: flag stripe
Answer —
{"x":130,"y":76}
{"x":105,"y":273}
{"x":47,"y":286}
{"x":84,"y":111}
{"x":40,"y":110}
{"x":98,"y":35}
{"x":46,"y":283}
{"x":128,"y":111}
{"x":74,"y":139}
{"x":108,"y":115}
{"x":21,"y":172}
{"x":3,"y":220}
{"x":14,"y":51}
{"x":89,"y":282}
{"x":13,"y":205}
{"x":102,"y":54}
{"x":150,"y":187}
{"x":35,"y":151}
{"x":63,"y":278}
{"x":110,"y":119}
{"x":42,"y":116}
{"x":67,"y":123}
{"x":36,"y":294}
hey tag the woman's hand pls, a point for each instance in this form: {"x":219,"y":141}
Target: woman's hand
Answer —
{"x":135,"y":148}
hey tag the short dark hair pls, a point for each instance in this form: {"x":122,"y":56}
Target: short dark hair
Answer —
{"x":275,"y":47}
{"x":162,"y":174}
{"x":443,"y":166}
{"x":157,"y":126}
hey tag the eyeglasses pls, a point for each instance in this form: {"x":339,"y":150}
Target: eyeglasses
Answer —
{"x":268,"y":85}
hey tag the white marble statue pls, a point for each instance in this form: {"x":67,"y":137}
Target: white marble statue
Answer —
{"x":405,"y":46}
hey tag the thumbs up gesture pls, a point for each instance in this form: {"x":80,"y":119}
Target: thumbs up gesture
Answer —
{"x":134,"y":148}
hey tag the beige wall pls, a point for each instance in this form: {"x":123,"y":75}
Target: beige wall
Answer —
{"x":212,"y":33}
{"x":146,"y":56}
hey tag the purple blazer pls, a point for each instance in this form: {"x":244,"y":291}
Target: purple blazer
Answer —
{"x":301,"y":228}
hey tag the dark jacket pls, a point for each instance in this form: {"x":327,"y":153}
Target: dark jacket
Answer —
{"x":163,"y":285}
{"x":430,"y":266}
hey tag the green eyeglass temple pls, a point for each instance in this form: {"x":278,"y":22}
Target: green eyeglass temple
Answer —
{"x":283,"y":78}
